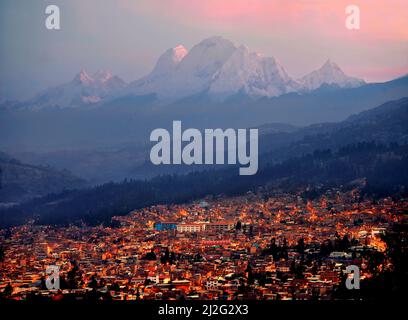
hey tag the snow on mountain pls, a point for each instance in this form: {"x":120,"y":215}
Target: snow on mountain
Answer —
{"x":215,"y":65}
{"x":168,"y":61}
{"x":84,"y":89}
{"x":196,"y":71}
{"x":253,"y":74}
{"x":191,"y":74}
{"x":329,"y":74}
{"x":162,"y":74}
{"x":218,"y":67}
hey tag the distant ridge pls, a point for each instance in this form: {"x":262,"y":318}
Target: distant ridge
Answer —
{"x":214,"y":66}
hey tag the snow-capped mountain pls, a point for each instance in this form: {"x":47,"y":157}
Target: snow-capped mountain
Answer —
{"x":162,"y":74}
{"x":253,"y":74}
{"x":218,"y":67}
{"x":84,"y":89}
{"x":168,"y":62}
{"x":214,"y":66}
{"x":180,"y":73}
{"x":196,"y":71}
{"x":329,"y":74}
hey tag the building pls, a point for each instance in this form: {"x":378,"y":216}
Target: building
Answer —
{"x":162,"y":226}
{"x":219,"y":226}
{"x":190,"y":227}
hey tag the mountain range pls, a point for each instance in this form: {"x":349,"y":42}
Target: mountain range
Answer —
{"x":97,"y":126}
{"x":217,"y":66}
{"x":214,"y":66}
{"x":84,"y":89}
{"x":110,"y":141}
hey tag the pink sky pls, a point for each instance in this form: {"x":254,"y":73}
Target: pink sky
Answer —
{"x":128,"y":36}
{"x":381,"y":19}
{"x":317,"y":23}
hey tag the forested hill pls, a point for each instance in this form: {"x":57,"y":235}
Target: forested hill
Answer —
{"x":20,"y":181}
{"x":371,"y":147}
{"x":383,"y":168}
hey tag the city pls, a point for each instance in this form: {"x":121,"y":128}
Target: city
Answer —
{"x":268,"y":245}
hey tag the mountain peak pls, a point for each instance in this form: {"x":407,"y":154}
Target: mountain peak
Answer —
{"x":99,"y":78}
{"x":329,"y":74}
{"x":329,"y":62}
{"x":179,"y":73}
{"x":253,"y":74}
{"x":208,"y":54}
{"x":83,"y":77}
{"x":102,"y":75}
{"x":173,"y":55}
{"x":168,"y":61}
{"x":179,"y":52}
{"x":330,"y":65}
{"x":214,"y":41}
{"x":217,"y":66}
{"x":84,"y":89}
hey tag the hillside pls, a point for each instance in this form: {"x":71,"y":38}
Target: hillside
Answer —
{"x":384,"y":124}
{"x":131,"y":119}
{"x":370,"y":148}
{"x":20,"y":182}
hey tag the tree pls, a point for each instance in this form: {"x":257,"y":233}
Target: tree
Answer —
{"x":283,"y":250}
{"x":93,"y":283}
{"x":326,"y":248}
{"x":197,"y":257}
{"x":8,"y":290}
{"x":341,"y":291}
{"x":165,"y":257}
{"x":297,"y":269}
{"x":43,"y":285}
{"x":8,"y":234}
{"x":72,"y":276}
{"x":250,"y":276}
{"x":150,"y":256}
{"x":300,"y":247}
{"x":2,"y":254}
{"x":172,"y":257}
{"x":272,"y":250}
{"x":238,"y":225}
